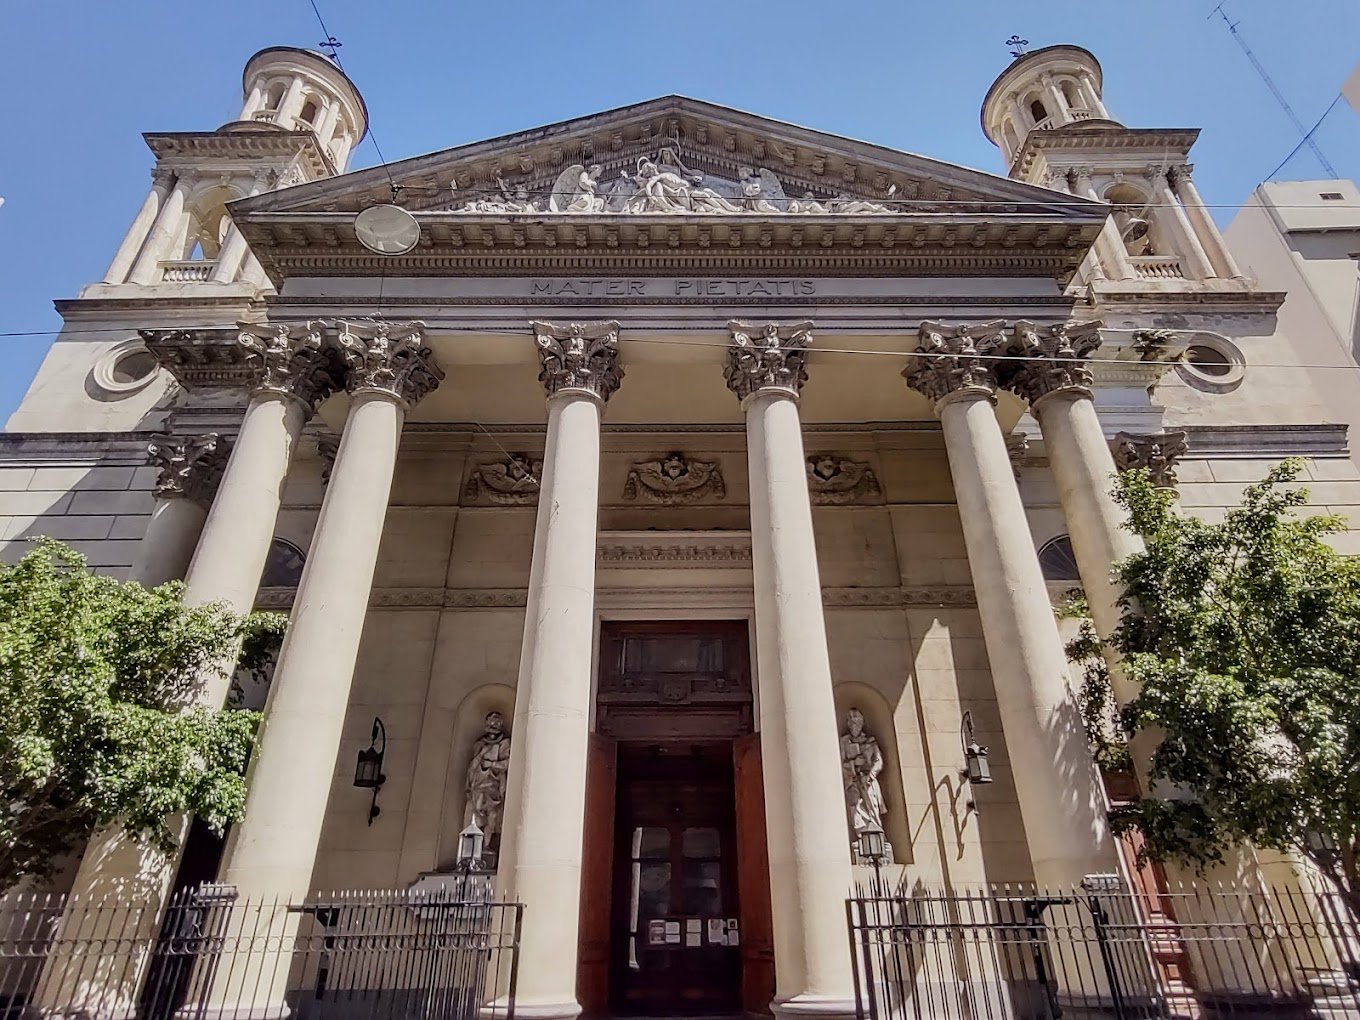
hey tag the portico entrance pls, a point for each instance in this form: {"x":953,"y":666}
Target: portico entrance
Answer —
{"x":675,"y":914}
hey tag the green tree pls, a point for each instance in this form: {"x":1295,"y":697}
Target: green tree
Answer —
{"x":98,"y":724}
{"x":1244,"y":640}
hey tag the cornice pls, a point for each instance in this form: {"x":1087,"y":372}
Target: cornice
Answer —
{"x":251,"y":145}
{"x":1085,"y":136}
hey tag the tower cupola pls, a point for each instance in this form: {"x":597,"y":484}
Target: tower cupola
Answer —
{"x":1049,"y":88}
{"x":299,"y":90}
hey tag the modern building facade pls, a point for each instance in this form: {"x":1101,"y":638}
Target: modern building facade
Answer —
{"x":675,"y":496}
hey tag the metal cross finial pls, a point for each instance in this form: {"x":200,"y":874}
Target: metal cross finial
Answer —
{"x":330,"y":46}
{"x":1017,"y":45}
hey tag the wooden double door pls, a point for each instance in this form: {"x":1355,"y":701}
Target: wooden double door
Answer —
{"x":675,"y":915}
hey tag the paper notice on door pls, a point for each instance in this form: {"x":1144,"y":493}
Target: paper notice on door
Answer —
{"x":672,"y":933}
{"x":717,"y":931}
{"x":733,"y":936}
{"x":656,"y":933}
{"x":694,"y":932}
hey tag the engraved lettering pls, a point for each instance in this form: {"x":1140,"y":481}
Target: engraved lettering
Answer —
{"x":635,"y":287}
{"x":540,"y":287}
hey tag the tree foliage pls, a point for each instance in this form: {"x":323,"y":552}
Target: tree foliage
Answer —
{"x":1243,"y":638}
{"x":98,"y":724}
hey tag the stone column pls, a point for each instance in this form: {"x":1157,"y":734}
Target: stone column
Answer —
{"x":1056,"y":100}
{"x":190,"y":469}
{"x":1058,"y":385}
{"x":387,"y":370}
{"x":540,"y":855}
{"x":804,"y":796}
{"x":1202,"y":223}
{"x":1109,"y":244}
{"x":1168,"y":210}
{"x":161,"y":182}
{"x":1056,"y":783}
{"x":290,"y":105}
{"x":234,"y":248}
{"x":287,"y":376}
{"x":162,"y":235}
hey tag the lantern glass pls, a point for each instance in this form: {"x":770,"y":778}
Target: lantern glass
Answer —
{"x":368,"y":769}
{"x":979,"y":771}
{"x":470,"y":843}
{"x":872,"y":845}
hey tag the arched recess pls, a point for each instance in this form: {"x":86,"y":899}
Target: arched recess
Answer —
{"x":469,"y":720}
{"x":878,"y":723}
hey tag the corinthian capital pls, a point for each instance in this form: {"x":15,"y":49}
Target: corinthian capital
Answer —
{"x":955,"y":361}
{"x":289,"y":360}
{"x":769,"y":357}
{"x":190,"y":466}
{"x":1042,"y":360}
{"x":579,"y":356}
{"x":1158,"y":453}
{"x":386,"y":357}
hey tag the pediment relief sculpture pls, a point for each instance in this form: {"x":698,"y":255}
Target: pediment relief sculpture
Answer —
{"x":836,"y":481}
{"x":510,"y":482}
{"x":664,"y":184}
{"x":674,"y":479}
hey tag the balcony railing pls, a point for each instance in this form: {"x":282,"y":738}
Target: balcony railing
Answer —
{"x":187,"y":271}
{"x":264,"y":115}
{"x":1157,"y":267}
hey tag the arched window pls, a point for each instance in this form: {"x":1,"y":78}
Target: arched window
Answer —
{"x":1072,"y":94}
{"x":1037,"y":111}
{"x":274,"y":96}
{"x":283,"y":565}
{"x":1058,"y":561}
{"x":309,"y":111}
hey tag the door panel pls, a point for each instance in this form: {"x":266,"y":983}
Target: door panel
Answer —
{"x":753,"y":877}
{"x":592,"y":973}
{"x":675,"y":891}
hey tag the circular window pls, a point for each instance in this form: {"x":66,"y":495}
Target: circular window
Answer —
{"x":1057,"y":560}
{"x":125,"y":368}
{"x":1212,"y":363}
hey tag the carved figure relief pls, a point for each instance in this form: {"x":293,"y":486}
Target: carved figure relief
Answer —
{"x":486,"y":775}
{"x":663,"y":184}
{"x":511,"y":482}
{"x":674,"y":479}
{"x":861,"y":764}
{"x":836,"y":481}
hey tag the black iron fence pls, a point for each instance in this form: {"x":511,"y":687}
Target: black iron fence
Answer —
{"x":451,"y":954}
{"x":1016,"y":953}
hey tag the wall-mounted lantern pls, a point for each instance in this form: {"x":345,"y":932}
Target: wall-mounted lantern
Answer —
{"x":368,"y":773}
{"x":976,"y":768}
{"x":471,"y":843}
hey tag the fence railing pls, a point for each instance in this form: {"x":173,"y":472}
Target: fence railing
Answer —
{"x":1015,"y":953}
{"x":444,"y":955}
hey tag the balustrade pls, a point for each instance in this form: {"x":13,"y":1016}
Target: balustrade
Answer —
{"x":1157,"y":267}
{"x":187,"y":271}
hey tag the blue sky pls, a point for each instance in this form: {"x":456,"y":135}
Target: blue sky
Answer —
{"x":82,"y":80}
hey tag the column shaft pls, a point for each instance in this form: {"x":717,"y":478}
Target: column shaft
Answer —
{"x":540,"y":856}
{"x":168,"y":543}
{"x":290,"y":105}
{"x":234,"y":249}
{"x":1205,"y":228}
{"x":1172,"y":213}
{"x":804,"y":798}
{"x":1055,"y":780}
{"x":146,"y":269}
{"x":272,"y":851}
{"x":1109,"y":245}
{"x":137,"y":232}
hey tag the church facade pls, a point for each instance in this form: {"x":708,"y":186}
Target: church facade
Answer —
{"x":685,"y":498}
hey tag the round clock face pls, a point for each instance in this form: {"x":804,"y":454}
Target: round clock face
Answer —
{"x":387,"y":230}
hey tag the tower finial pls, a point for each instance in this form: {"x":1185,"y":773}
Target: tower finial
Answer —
{"x":1018,"y":46}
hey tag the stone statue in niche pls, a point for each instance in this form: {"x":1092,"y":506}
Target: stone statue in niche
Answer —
{"x":674,"y":479}
{"x":486,"y":774}
{"x":835,"y":480}
{"x":861,"y":763}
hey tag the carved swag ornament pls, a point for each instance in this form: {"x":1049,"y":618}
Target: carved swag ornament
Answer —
{"x":771,"y":357}
{"x":511,"y":482}
{"x":835,"y":481}
{"x":674,"y":479}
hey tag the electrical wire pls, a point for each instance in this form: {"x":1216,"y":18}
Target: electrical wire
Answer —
{"x":1305,"y":140}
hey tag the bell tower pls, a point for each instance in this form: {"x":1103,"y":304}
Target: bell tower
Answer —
{"x":1047,"y":115}
{"x":300,"y":119}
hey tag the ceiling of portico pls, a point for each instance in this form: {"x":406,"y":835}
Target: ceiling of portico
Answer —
{"x":677,"y":183}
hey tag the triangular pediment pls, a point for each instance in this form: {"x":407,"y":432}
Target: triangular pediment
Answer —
{"x":719,"y":147}
{"x":684,"y":179}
